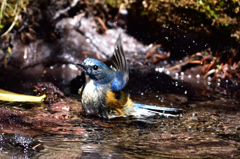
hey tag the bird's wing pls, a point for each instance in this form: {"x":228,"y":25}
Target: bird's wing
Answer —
{"x":120,"y":64}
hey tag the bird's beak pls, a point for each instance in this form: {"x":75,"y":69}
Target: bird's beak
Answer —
{"x":82,"y":65}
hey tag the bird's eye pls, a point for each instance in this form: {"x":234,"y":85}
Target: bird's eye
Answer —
{"x":95,"y":67}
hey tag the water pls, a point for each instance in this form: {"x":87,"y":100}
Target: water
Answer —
{"x":208,"y":128}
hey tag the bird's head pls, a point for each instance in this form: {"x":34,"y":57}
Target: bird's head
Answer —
{"x":97,"y":70}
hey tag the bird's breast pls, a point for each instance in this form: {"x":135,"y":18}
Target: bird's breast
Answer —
{"x":92,"y":97}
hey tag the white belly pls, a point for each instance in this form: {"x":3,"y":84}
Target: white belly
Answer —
{"x":92,"y":98}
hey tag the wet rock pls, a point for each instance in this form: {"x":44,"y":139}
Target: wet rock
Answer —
{"x":28,"y":55}
{"x":52,"y":92}
{"x":175,"y":131}
{"x":72,"y":47}
{"x":74,"y":44}
{"x":105,"y":43}
{"x":25,"y":142}
{"x":20,"y":145}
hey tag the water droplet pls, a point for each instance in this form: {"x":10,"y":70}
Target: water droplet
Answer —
{"x":160,"y":69}
{"x":87,"y":40}
{"x":185,"y":92}
{"x":176,"y":84}
{"x":167,"y":72}
{"x":189,"y":76}
{"x":73,"y":67}
{"x":198,"y":76}
{"x":142,"y":94}
{"x":124,"y":11}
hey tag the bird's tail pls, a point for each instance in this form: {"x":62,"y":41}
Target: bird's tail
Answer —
{"x":164,"y":111}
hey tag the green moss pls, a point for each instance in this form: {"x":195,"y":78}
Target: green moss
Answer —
{"x":203,"y":16}
{"x":9,"y":11}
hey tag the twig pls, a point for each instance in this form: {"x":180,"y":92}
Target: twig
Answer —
{"x":64,"y":11}
{"x":38,"y":89}
{"x":2,"y":8}
{"x":191,"y":58}
{"x":104,"y":28}
{"x":36,"y":146}
{"x":12,"y":25}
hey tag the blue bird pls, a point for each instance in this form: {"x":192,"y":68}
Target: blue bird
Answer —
{"x":102,"y":93}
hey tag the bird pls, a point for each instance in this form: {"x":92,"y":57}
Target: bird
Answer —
{"x":102,"y":94}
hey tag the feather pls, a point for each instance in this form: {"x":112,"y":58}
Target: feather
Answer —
{"x":157,"y":108}
{"x":121,"y":66}
{"x":120,"y":103}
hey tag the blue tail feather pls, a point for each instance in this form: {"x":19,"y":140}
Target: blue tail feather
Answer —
{"x":157,"y":108}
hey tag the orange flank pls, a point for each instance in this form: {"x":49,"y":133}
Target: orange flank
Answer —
{"x":118,"y":104}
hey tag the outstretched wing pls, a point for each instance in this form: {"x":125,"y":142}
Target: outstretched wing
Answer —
{"x":121,"y":66}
